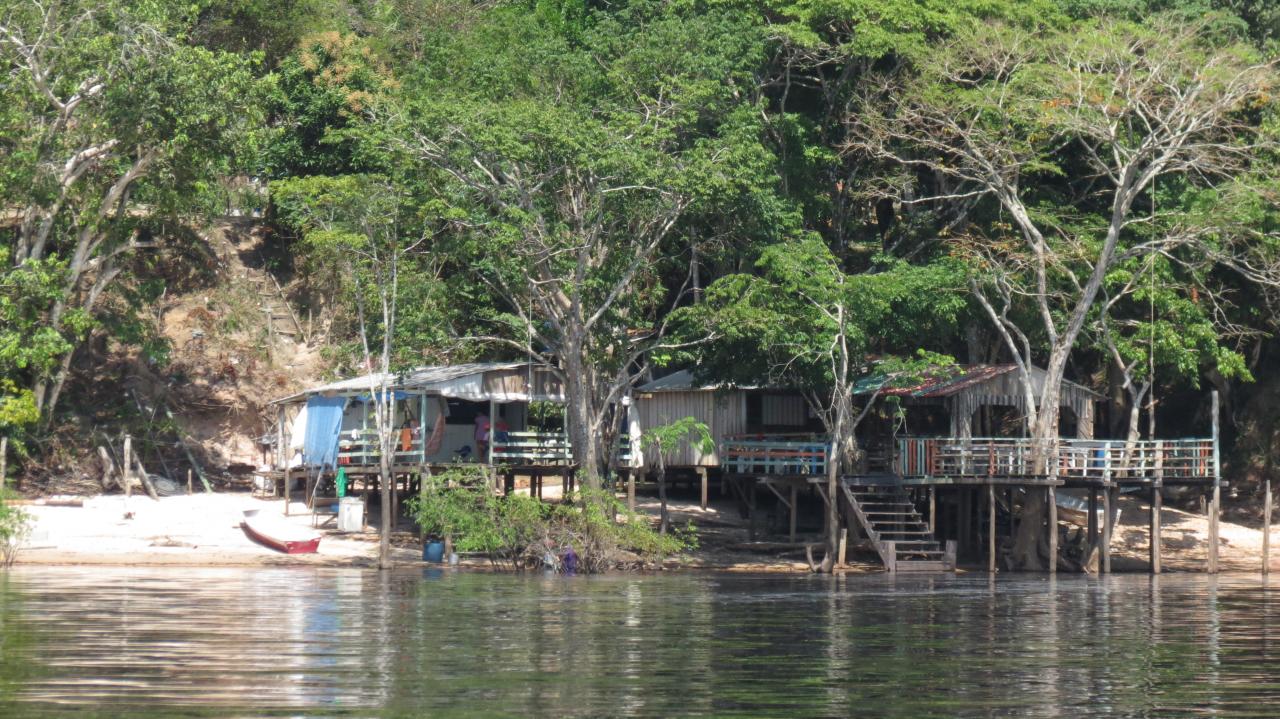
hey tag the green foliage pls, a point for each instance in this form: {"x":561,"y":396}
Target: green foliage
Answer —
{"x":666,"y":436}
{"x":519,"y":530}
{"x":15,"y":526}
{"x":779,"y":325}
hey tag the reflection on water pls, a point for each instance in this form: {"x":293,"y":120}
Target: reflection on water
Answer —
{"x":277,"y":642}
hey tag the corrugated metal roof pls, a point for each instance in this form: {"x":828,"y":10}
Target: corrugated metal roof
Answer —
{"x":419,"y":379}
{"x":683,"y":381}
{"x":945,"y":385}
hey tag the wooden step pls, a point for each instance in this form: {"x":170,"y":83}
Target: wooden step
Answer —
{"x":922,"y":566}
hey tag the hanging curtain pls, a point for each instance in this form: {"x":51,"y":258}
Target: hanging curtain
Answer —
{"x":324,"y":423}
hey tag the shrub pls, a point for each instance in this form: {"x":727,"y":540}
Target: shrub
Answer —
{"x":521,"y":532}
{"x":15,"y":525}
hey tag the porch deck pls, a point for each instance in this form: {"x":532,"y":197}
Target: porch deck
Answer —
{"x":921,"y":461}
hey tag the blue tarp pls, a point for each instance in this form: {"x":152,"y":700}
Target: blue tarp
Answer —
{"x":324,"y":422}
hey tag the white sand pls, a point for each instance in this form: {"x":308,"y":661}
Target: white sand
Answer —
{"x":197,"y":529}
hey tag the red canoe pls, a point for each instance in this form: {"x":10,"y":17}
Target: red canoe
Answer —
{"x":279,"y":536}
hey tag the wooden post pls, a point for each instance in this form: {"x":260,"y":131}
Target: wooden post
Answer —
{"x":191,"y":486}
{"x":1266,"y":526}
{"x":933,"y":509}
{"x":4,"y":456}
{"x":1092,"y":523}
{"x":991,"y":528}
{"x":1215,"y":504}
{"x":631,"y":490}
{"x":702,"y":477}
{"x":288,"y":480}
{"x":1157,"y":502}
{"x":793,"y":516}
{"x":281,"y":459}
{"x":1052,"y":495}
{"x":127,"y":470}
{"x":844,"y":545}
{"x":1104,"y":563}
{"x":493,"y":411}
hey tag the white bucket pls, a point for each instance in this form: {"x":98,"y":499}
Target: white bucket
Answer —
{"x":350,"y":514}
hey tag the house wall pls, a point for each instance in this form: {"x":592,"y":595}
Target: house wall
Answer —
{"x":724,"y":413}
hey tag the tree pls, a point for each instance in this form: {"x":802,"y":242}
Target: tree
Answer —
{"x":112,"y":124}
{"x":359,"y":220}
{"x":803,"y":322}
{"x":574,"y":186}
{"x":665,"y":437}
{"x":1038,"y":124}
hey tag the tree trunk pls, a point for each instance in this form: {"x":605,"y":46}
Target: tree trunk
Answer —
{"x":580,"y":413}
{"x":384,"y":500}
{"x":1028,"y":542}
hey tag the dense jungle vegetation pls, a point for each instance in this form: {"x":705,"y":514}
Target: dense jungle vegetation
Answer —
{"x":777,"y":190}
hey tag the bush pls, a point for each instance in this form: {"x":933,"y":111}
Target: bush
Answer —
{"x":522,"y":532}
{"x":15,"y":525}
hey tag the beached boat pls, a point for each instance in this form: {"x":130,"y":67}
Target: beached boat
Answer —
{"x":279,"y":536}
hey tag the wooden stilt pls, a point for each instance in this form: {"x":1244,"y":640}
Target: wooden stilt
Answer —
{"x":991,"y":528}
{"x":1157,"y":502}
{"x":933,"y":509}
{"x":191,"y":487}
{"x":844,"y":545}
{"x":794,"y":494}
{"x":1266,"y":527}
{"x":4,"y":461}
{"x":1215,"y":504}
{"x":395,"y":500}
{"x":1215,"y":507}
{"x":288,"y":480}
{"x":631,"y":491}
{"x":1092,"y":523}
{"x":702,"y":477}
{"x":1052,"y":496}
{"x":1104,"y":542}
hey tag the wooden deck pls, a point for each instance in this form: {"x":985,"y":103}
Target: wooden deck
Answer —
{"x":992,"y":460}
{"x":1080,"y":462}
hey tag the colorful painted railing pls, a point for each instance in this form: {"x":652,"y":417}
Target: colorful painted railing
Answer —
{"x":1102,"y":460}
{"x":764,"y":456}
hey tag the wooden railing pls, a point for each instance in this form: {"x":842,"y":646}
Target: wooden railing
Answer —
{"x":1102,"y":460}
{"x":360,"y":448}
{"x":533,"y":448}
{"x":774,"y":456}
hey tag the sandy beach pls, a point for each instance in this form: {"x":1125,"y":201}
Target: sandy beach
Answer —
{"x":200,"y":529}
{"x":204,"y":530}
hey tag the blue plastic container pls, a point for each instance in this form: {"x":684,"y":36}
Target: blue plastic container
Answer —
{"x":433,"y":552}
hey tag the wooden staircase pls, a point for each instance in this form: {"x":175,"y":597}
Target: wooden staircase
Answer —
{"x":899,"y":534}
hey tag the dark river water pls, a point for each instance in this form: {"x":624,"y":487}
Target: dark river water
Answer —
{"x":285,"y":642}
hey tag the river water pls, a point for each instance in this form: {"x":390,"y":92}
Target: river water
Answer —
{"x":293,"y":642}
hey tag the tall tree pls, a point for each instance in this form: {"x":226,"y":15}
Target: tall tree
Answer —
{"x":364,"y":224}
{"x":575,"y":186}
{"x":112,"y":123}
{"x":1040,"y":123}
{"x":802,"y":321}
